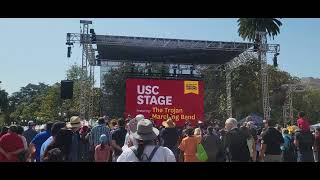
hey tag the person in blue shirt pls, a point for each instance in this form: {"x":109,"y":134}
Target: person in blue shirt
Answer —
{"x":288,"y":149}
{"x":39,"y":139}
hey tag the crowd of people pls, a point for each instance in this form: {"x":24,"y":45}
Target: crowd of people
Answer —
{"x":139,"y":140}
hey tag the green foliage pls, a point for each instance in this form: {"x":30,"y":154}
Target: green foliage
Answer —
{"x":214,"y":92}
{"x":115,"y":90}
{"x":25,"y":104}
{"x":309,"y":102}
{"x":249,"y":26}
{"x":246,"y":90}
{"x":43,"y":103}
{"x":4,"y":102}
{"x":51,"y":104}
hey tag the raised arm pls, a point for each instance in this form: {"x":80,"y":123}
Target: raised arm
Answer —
{"x":7,"y":155}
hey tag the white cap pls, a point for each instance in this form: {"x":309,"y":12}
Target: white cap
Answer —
{"x":139,"y":117}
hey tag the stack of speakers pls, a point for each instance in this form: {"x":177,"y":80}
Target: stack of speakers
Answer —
{"x":66,"y":89}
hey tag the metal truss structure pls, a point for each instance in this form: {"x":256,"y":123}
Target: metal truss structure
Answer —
{"x":264,"y":48}
{"x":164,"y":42}
{"x":229,"y":93}
{"x":88,"y":62}
{"x":89,"y":59}
{"x":262,"y":53}
{"x":287,"y":108}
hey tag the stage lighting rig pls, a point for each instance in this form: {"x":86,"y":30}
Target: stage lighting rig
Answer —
{"x":98,"y":60}
{"x":192,"y":68}
{"x":175,"y":69}
{"x":93,"y":35}
{"x":69,"y":52}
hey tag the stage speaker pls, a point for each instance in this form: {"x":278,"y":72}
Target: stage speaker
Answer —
{"x":66,"y":89}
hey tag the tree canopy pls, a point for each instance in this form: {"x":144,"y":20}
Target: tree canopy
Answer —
{"x":249,"y":26}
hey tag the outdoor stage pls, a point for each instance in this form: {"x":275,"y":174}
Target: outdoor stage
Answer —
{"x":182,"y":56}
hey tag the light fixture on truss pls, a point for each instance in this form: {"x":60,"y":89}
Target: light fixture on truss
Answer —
{"x":192,"y":68}
{"x":275,"y":60}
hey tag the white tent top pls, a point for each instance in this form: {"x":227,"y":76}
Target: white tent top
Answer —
{"x":315,"y":125}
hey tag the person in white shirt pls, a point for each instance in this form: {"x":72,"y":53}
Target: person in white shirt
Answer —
{"x":132,"y":128}
{"x":146,"y":150}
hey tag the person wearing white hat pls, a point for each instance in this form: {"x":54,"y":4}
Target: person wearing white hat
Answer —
{"x":132,"y":128}
{"x":75,"y":125}
{"x":146,"y":150}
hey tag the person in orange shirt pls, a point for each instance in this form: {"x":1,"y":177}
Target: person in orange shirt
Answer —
{"x":189,"y":146}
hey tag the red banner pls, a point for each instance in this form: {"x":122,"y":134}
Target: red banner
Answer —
{"x":182,"y":100}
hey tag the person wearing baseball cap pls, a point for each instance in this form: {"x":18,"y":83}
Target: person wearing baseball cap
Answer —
{"x":30,"y":133}
{"x":103,"y":149}
{"x":96,"y":132}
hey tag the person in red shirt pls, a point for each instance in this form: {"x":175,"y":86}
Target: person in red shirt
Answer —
{"x":10,"y":146}
{"x":302,"y":122}
{"x":103,"y":150}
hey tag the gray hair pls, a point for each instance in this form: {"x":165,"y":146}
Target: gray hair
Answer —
{"x":232,"y":121}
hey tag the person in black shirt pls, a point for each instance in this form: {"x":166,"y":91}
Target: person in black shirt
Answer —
{"x":235,"y":143}
{"x":54,"y":155}
{"x":84,"y":153}
{"x":62,"y":141}
{"x":270,"y":144}
{"x":30,"y":133}
{"x":212,"y":144}
{"x":169,"y":136}
{"x":304,"y":140}
{"x":118,"y":138}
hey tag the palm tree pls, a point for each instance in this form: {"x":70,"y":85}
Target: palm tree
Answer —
{"x":249,"y":26}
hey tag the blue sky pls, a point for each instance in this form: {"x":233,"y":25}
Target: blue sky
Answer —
{"x":34,"y":50}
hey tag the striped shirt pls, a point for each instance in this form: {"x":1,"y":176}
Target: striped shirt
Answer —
{"x":96,"y":132}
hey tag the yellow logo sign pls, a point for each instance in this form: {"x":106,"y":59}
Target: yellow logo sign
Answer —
{"x":191,"y":87}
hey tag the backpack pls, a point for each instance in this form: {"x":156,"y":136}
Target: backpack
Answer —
{"x":147,"y":159}
{"x":291,"y":146}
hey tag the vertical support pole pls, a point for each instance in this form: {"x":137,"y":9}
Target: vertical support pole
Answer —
{"x":290,"y":104}
{"x":91,"y":93}
{"x":262,"y":52}
{"x":284,"y":115}
{"x":228,"y":88}
{"x":84,"y":38}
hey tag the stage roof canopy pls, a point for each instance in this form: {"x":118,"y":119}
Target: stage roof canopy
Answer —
{"x":175,"y":51}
